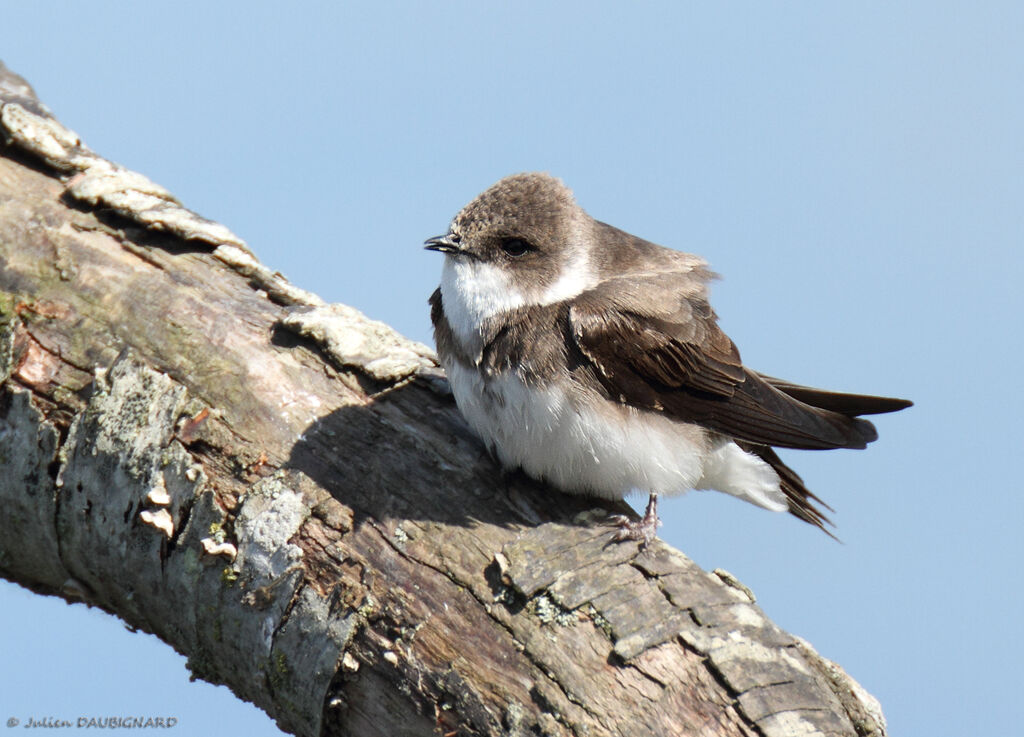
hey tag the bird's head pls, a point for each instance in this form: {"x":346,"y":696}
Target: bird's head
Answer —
{"x":522,"y":242}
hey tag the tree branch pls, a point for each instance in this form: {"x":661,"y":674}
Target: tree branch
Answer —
{"x":284,"y":491}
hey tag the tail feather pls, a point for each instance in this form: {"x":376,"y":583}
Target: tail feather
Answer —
{"x":803,"y":503}
{"x":851,"y":405}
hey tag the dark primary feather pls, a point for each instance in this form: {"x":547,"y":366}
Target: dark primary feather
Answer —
{"x":649,"y":337}
{"x":665,"y":352}
{"x":847,"y":404}
{"x":682,"y":364}
{"x":801,"y":500}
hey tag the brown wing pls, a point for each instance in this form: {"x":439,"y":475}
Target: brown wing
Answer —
{"x":658,"y":346}
{"x":847,"y":404}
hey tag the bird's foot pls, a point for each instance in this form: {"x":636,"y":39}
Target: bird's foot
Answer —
{"x":643,"y":530}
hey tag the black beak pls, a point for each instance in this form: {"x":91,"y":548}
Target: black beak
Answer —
{"x":447,"y":243}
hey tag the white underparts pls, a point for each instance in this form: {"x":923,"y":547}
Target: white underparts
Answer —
{"x":731,"y":469}
{"x":600,"y":448}
{"x":572,"y":437}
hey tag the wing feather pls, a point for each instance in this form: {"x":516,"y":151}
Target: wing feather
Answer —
{"x":678,"y":361}
{"x":847,"y":404}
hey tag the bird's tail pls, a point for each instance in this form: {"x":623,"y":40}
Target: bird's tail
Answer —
{"x":803,"y":503}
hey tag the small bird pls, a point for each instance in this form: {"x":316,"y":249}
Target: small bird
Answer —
{"x":591,"y":359}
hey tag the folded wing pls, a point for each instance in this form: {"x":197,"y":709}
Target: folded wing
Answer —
{"x":658,"y":346}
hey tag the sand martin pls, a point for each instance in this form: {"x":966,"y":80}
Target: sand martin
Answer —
{"x":591,"y":359}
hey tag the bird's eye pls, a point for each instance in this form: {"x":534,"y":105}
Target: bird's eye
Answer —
{"x":515,"y":247}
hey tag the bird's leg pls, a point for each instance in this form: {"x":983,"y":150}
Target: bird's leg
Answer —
{"x":644,"y":529}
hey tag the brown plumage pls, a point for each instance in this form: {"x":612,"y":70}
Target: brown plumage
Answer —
{"x":537,"y":293}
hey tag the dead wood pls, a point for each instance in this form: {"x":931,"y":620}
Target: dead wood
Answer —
{"x":284,"y":491}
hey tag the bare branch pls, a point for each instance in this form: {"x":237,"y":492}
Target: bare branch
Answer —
{"x":284,"y":492}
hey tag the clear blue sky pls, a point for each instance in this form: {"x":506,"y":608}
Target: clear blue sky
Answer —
{"x":854,"y":171}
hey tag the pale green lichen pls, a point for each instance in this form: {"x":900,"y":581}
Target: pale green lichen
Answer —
{"x":217,"y":532}
{"x":513,"y":717}
{"x":599,"y":621}
{"x":278,"y":671}
{"x":548,"y":612}
{"x":730,"y":580}
{"x":192,"y":563}
{"x":61,"y":395}
{"x":504,"y":595}
{"x":7,"y":319}
{"x":368,"y":608}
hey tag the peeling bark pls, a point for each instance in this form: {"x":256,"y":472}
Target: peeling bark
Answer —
{"x":284,"y":491}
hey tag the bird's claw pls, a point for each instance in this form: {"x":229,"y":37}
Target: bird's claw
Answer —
{"x":642,"y":530}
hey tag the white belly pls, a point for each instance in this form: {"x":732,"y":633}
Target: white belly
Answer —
{"x":604,"y":449}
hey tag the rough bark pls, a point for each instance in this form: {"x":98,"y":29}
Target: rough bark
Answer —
{"x":284,"y":491}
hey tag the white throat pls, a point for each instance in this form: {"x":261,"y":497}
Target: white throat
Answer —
{"x":473,"y":291}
